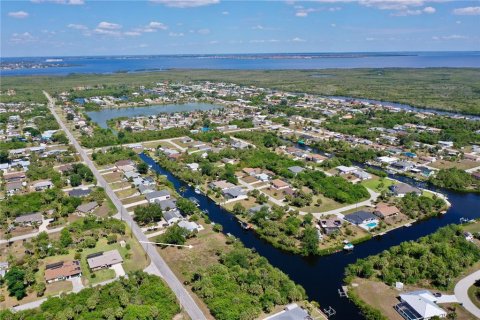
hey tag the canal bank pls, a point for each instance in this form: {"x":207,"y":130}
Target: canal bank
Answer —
{"x":323,"y":276}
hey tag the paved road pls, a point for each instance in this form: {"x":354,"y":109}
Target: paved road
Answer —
{"x":461,"y":292}
{"x":31,"y":235}
{"x":182,"y":294}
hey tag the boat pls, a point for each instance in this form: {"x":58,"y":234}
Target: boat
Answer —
{"x":348,"y":245}
{"x":195,"y":201}
{"x":244,"y":225}
{"x":205,"y":211}
{"x":197,"y":190}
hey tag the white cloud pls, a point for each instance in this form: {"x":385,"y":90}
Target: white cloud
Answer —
{"x":176,"y":34}
{"x":157,"y":25}
{"x":450,"y":37}
{"x":186,"y":3}
{"x":225,"y":13}
{"x":18,"y":14}
{"x":77,"y":26}
{"x":303,"y":12}
{"x":262,"y":41}
{"x":67,"y":2}
{"x":132,"y":33}
{"x":20,"y":38}
{"x":333,"y":25}
{"x":109,"y":26}
{"x":258,"y":27}
{"x":297,"y":39}
{"x":203,"y":31}
{"x":429,"y":10}
{"x":468,"y":11}
{"x":107,"y":32}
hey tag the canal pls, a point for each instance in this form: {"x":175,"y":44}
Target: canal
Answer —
{"x":323,"y":276}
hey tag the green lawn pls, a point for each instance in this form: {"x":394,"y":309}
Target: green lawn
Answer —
{"x":471,"y":294}
{"x":472,"y":227}
{"x":375,"y":184}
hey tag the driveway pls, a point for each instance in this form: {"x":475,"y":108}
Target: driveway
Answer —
{"x":77,"y":284}
{"x":461,"y":292}
{"x":118,"y":268}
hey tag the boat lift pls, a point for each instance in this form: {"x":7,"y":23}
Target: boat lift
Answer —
{"x":330,"y":311}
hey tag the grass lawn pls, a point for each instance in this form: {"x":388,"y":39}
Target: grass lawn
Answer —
{"x":375,"y":184}
{"x":185,"y":262}
{"x":473,"y":297}
{"x":246,"y":203}
{"x":462,"y":164}
{"x":126,"y":193}
{"x":112,"y":177}
{"x":133,"y":199}
{"x":472,"y":227}
{"x":327,"y":205}
{"x":119,"y":185}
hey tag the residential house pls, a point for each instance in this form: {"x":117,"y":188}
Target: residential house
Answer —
{"x":172,"y":216}
{"x":3,"y":269}
{"x":291,"y":312}
{"x":125,"y":165}
{"x":330,"y":225}
{"x":13,"y":187}
{"x":63,"y":270}
{"x":101,"y":260}
{"x":190,"y":225}
{"x":419,"y":305}
{"x":346,"y":170}
{"x":156,"y":196}
{"x":14,"y":176}
{"x":385,"y":210}
{"x":295,"y":169}
{"x":42,"y":185}
{"x":29,"y":219}
{"x":222,"y":185}
{"x":401,"y":189}
{"x":361,"y":217}
{"x":234,"y":193}
{"x":87,"y":207}
{"x":144,"y":189}
{"x":167,"y":205}
{"x":362,"y":175}
{"x":79,"y":192}
{"x":402,"y":165}
{"x":278,"y":184}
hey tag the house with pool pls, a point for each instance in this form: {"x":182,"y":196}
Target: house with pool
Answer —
{"x":364,"y":219}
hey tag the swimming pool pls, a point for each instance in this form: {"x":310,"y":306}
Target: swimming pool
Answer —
{"x":372,"y":225}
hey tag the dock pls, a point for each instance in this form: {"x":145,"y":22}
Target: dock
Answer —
{"x":329,"y":312}
{"x":342,"y":292}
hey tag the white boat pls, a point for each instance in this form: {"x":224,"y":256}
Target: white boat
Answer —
{"x":198,"y":191}
{"x":348,"y":247}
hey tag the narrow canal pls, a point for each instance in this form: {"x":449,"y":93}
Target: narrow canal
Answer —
{"x":322,"y":276}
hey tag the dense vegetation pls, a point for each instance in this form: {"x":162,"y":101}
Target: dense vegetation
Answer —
{"x":441,"y":88}
{"x":455,"y":179}
{"x":436,"y":259}
{"x":239,"y":288}
{"x":113,"y":155}
{"x":333,"y":187}
{"x":138,"y":297}
{"x":415,"y":206}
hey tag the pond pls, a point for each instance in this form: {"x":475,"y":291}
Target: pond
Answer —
{"x":101,"y":117}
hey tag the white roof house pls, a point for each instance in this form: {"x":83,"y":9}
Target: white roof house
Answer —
{"x":419,"y":305}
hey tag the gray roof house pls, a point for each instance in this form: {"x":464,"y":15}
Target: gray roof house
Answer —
{"x":234,"y":193}
{"x":28,"y":219}
{"x":144,"y":189}
{"x":360,"y":217}
{"x":402,"y":189}
{"x":102,"y":260}
{"x":87,"y":207}
{"x":167,"y":205}
{"x":79,"y":192}
{"x":157,"y":196}
{"x":296,"y":169}
{"x":291,"y":312}
{"x":172,"y":216}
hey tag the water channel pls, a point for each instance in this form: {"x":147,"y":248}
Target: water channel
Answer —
{"x":322,"y":276}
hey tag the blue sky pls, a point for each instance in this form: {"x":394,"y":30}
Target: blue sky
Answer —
{"x":82,"y":27}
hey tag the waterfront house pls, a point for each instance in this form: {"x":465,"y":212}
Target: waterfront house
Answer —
{"x":234,"y":193}
{"x":345,"y":170}
{"x":167,"y":205}
{"x":100,"y":260}
{"x":401,"y":189}
{"x":290,"y":312}
{"x":330,"y":225}
{"x":360,"y":217}
{"x":190,"y":225}
{"x":419,"y":305}
{"x":157,"y":196}
{"x":385,"y":210}
{"x":63,"y":270}
{"x":222,"y":185}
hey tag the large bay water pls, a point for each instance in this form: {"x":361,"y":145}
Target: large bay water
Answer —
{"x":112,"y":64}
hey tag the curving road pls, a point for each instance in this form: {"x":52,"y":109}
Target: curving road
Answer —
{"x":461,"y":292}
{"x":161,"y":268}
